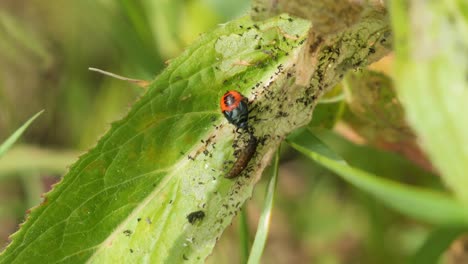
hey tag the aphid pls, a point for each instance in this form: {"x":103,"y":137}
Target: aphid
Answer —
{"x":234,"y":107}
{"x":195,"y":216}
{"x":244,"y":157}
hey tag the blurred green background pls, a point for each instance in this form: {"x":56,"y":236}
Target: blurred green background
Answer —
{"x":46,"y":48}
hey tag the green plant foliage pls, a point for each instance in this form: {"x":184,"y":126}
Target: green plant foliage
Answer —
{"x":431,"y":79}
{"x":385,"y":164}
{"x":422,"y":204}
{"x":264,"y":221}
{"x":244,"y":235}
{"x":437,"y":242}
{"x":14,"y":137}
{"x":20,"y":42}
{"x":373,"y":108}
{"x":153,"y":188}
{"x":329,"y":109}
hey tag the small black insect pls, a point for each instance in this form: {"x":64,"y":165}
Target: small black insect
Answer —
{"x":195,"y":216}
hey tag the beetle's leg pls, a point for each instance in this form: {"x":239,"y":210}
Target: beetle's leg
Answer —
{"x":252,"y":107}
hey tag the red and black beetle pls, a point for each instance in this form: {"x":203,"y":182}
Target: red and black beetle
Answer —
{"x":235,"y":109}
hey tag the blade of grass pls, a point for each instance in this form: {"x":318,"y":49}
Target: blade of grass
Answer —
{"x":14,"y":137}
{"x":379,"y":162}
{"x":244,"y":235}
{"x":138,"y":18}
{"x":437,"y":242}
{"x":423,"y":204}
{"x":264,"y":222}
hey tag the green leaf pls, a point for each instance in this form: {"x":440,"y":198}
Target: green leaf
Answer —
{"x":264,"y":221}
{"x":431,"y":47}
{"x":378,"y":162}
{"x":435,"y":245}
{"x":244,"y":236}
{"x":329,"y":109}
{"x":422,"y":204}
{"x":153,"y":188}
{"x":373,"y":109}
{"x":14,"y":137}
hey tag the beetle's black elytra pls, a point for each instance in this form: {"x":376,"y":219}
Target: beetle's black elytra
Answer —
{"x":235,"y":109}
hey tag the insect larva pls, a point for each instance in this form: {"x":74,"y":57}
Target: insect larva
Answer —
{"x":244,"y":157}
